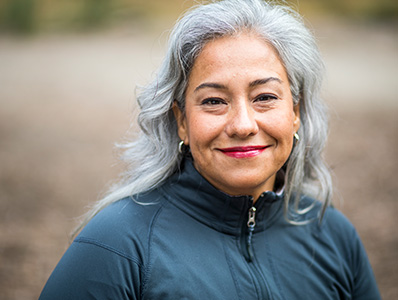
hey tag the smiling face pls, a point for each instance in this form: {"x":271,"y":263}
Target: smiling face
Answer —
{"x":239,"y":116}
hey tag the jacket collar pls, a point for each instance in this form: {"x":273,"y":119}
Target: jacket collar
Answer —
{"x":192,"y":193}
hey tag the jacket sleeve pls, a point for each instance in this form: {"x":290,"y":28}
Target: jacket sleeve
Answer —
{"x":91,"y":270}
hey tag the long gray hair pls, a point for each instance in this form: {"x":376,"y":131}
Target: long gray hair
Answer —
{"x":153,"y":156}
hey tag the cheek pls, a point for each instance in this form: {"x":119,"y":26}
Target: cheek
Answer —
{"x":202,"y":130}
{"x":280,"y":125}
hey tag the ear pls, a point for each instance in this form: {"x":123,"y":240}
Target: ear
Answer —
{"x":181,"y":123}
{"x":296,"y":121}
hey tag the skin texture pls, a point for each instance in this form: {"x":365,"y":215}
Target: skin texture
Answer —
{"x":238,"y":96}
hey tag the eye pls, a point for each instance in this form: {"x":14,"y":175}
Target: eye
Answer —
{"x":265,"y":97}
{"x":213,"y":101}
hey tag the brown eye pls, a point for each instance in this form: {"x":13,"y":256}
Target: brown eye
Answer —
{"x":265,"y":97}
{"x":213,"y":101}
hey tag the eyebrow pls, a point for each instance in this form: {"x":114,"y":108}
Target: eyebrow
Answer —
{"x":264,"y":81}
{"x":210,"y":85}
{"x":223,"y":87}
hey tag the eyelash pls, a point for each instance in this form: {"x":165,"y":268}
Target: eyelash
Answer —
{"x":216,"y":101}
{"x":211,"y":101}
{"x":268,"y":96}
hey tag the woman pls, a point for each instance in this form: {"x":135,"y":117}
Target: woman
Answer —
{"x":218,"y":202}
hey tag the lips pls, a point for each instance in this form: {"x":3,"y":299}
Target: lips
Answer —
{"x":243,"y":152}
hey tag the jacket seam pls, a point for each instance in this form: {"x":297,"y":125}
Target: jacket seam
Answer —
{"x":273,"y":268}
{"x":232,"y":270}
{"x":147,"y":269}
{"x":84,"y":240}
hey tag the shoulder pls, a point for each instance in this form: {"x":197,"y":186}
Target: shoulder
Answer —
{"x":124,"y":226}
{"x":337,"y":232}
{"x":332,"y":228}
{"x":332,"y":220}
{"x":336,"y":223}
{"x":337,"y":238}
{"x":336,"y":218}
{"x":107,"y":259}
{"x":342,"y":236}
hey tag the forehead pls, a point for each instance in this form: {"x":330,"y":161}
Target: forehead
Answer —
{"x":238,"y":55}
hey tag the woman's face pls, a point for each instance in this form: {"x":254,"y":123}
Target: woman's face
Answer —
{"x":239,"y":120}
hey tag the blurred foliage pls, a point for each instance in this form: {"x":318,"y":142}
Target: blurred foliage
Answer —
{"x":18,"y":16}
{"x":94,"y":12}
{"x":366,"y":10}
{"x":27,"y":16}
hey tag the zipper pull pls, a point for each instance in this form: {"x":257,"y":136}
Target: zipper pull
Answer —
{"x":251,"y":223}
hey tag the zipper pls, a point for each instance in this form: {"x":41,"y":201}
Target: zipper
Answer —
{"x":261,"y":284}
{"x":251,"y":223}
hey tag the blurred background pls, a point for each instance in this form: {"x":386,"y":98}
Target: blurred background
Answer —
{"x":68,"y":72}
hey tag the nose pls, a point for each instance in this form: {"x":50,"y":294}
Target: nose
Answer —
{"x":241,"y":121}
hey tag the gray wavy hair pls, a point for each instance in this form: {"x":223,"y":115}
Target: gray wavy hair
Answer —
{"x":153,"y":156}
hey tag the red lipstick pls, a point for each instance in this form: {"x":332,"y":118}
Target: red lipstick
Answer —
{"x":243,"y":152}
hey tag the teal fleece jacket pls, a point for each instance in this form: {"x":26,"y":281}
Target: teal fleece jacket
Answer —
{"x":188,"y":240}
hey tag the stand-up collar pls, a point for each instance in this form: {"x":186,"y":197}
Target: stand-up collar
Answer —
{"x":193,"y":194}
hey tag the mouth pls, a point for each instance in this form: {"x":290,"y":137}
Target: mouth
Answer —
{"x":243,"y":152}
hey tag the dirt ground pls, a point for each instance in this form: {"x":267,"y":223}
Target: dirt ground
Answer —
{"x":65,"y":100}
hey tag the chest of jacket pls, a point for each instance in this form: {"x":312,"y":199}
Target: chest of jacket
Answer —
{"x":188,"y":259}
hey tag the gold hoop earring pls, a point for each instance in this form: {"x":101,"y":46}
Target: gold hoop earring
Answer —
{"x":296,"y":136}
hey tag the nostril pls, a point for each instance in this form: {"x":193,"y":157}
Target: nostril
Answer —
{"x":242,"y":124}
